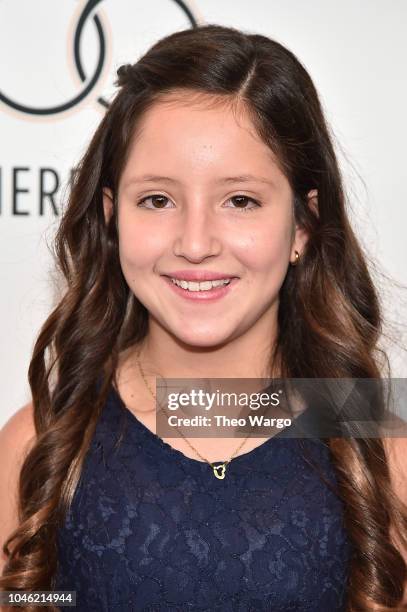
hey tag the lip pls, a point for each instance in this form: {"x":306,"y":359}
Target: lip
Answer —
{"x":216,"y":293}
{"x":198,"y":275}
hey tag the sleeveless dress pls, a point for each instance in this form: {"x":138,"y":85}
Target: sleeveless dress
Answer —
{"x":152,"y":530}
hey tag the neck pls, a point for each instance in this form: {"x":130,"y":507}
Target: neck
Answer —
{"x":247,"y":356}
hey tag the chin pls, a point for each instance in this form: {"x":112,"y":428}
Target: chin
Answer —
{"x":204,"y":339}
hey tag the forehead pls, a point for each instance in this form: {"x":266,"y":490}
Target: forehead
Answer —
{"x":208,"y":132}
{"x":194,"y":105}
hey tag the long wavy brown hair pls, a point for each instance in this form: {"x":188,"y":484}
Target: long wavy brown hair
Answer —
{"x":330,"y":319}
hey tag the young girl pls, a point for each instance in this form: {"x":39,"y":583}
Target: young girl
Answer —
{"x":214,"y":162}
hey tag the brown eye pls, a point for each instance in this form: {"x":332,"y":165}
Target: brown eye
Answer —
{"x":241,"y":203}
{"x":158,"y":201}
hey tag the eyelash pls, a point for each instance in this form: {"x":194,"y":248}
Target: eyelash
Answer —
{"x":158,"y":195}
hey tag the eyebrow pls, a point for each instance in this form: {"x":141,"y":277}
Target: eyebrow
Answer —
{"x":242,"y":178}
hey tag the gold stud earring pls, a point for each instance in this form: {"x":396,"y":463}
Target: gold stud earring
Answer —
{"x":297,"y":259}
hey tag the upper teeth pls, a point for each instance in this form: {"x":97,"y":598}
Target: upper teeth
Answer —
{"x":204,"y":286}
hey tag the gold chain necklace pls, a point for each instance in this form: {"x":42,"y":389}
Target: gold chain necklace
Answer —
{"x":218,"y":470}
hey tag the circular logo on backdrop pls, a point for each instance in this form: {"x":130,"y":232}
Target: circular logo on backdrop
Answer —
{"x":87,"y":16}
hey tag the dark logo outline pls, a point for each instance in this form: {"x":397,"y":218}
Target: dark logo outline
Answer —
{"x":60,"y":108}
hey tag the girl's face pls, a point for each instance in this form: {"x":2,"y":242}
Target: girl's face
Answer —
{"x":200,"y":192}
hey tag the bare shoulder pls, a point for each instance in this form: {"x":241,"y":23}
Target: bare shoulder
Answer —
{"x":16,"y":438}
{"x":396,"y":453}
{"x":20,"y":426}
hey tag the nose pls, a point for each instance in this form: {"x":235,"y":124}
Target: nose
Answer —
{"x":198,"y":233}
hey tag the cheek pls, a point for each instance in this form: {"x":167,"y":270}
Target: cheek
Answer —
{"x":266,"y":249}
{"x":138,"y":248}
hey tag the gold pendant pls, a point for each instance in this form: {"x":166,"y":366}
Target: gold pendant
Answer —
{"x":222,"y":469}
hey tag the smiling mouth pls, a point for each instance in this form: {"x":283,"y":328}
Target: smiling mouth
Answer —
{"x":200,"y":286}
{"x":202,"y":291}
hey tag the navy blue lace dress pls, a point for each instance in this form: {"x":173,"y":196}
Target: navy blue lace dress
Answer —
{"x":152,"y":530}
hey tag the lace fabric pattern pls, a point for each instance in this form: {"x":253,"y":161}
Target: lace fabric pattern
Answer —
{"x":151,"y":530}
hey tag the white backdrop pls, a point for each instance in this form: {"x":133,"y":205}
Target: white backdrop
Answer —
{"x":354,"y":51}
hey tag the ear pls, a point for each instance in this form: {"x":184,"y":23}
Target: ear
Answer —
{"x":300,"y":234}
{"x":299,"y":243}
{"x":107,"y":203}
